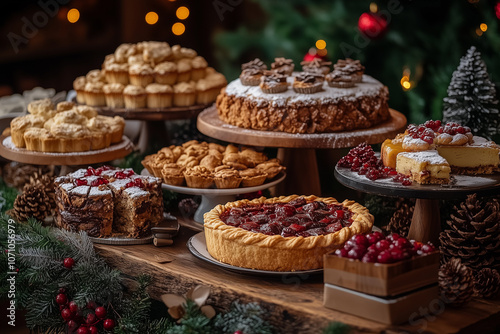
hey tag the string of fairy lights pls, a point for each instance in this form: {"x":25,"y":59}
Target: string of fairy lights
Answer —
{"x":151,"y":18}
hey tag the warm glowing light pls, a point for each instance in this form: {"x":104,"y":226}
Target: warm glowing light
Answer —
{"x":182,"y":13}
{"x":322,"y":52}
{"x":320,"y":44}
{"x":73,"y":15}
{"x":373,"y":7}
{"x":483,"y":27}
{"x":406,"y":85}
{"x":151,"y":18}
{"x":178,"y":28}
{"x":404,"y":79}
{"x":479,"y":32}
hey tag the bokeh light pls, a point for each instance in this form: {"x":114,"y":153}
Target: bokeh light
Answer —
{"x":182,"y":13}
{"x":73,"y":15}
{"x":178,"y":28}
{"x":151,"y":18}
{"x":320,"y":44}
{"x":373,"y":7}
{"x":483,"y":27}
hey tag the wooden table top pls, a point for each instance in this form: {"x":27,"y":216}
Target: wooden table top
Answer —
{"x":211,"y":125}
{"x":294,"y":302}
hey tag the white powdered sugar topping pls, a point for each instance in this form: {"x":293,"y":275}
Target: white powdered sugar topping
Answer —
{"x":135,"y":192}
{"x":414,"y":142}
{"x":81,"y":190}
{"x":95,"y":191}
{"x":431,"y":156}
{"x":119,"y":183}
{"x":483,"y":142}
{"x":368,"y":87}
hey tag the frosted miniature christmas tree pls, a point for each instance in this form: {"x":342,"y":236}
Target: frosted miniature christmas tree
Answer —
{"x":472,"y":98}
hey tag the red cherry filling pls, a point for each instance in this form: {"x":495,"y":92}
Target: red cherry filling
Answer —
{"x":362,"y":159}
{"x":375,"y":248}
{"x":80,"y":182}
{"x":99,"y":181}
{"x":295,"y":218}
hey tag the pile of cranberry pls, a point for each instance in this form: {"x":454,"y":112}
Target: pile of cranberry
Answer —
{"x":295,"y":218}
{"x":362,"y":159}
{"x":83,"y":320}
{"x":377,"y":248}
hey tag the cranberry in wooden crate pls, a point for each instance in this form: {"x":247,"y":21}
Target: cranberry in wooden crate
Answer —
{"x":382,"y":266}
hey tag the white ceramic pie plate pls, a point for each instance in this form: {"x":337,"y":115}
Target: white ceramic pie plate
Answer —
{"x":198,"y":247}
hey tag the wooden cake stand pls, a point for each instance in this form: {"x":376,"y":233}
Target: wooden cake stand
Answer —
{"x":116,"y":151}
{"x":154,"y":114}
{"x":425,"y":224}
{"x":298,"y":151}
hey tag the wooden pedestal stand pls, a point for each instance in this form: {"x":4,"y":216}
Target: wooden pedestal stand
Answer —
{"x":116,"y":151}
{"x":298,"y":151}
{"x":425,"y":224}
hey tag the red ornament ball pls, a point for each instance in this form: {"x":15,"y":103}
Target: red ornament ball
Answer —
{"x":372,"y":25}
{"x":108,"y":324}
{"x":100,"y":312}
{"x":82,"y":330}
{"x":93,"y":330}
{"x":497,"y":10}
{"x":61,"y":299}
{"x":69,"y":262}
{"x":66,"y":314}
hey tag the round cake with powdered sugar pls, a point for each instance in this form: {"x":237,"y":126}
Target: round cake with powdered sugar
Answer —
{"x":105,"y":201}
{"x":331,"y":109}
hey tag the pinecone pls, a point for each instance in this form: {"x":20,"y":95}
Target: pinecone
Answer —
{"x":401,"y":219}
{"x":487,"y":283}
{"x":46,"y":182}
{"x":473,"y":234}
{"x":456,"y":282}
{"x":33,"y":202}
{"x":17,"y":175}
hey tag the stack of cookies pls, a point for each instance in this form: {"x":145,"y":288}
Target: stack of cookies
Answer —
{"x":65,"y":128}
{"x":150,"y":75}
{"x":206,"y":165}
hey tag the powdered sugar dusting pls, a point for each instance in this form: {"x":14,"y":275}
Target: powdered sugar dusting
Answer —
{"x":368,"y":87}
{"x":430,"y":156}
{"x":81,"y":190}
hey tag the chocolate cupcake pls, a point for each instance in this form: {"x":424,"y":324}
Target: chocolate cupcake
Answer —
{"x":251,"y":76}
{"x":255,"y":64}
{"x":351,"y":67}
{"x":316,"y":66}
{"x":307,"y":83}
{"x":272,"y":83}
{"x":340,"y":79}
{"x":282,"y":66}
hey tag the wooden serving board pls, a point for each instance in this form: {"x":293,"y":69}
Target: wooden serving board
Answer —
{"x":294,"y":302}
{"x":115,"y":151}
{"x":211,"y":125}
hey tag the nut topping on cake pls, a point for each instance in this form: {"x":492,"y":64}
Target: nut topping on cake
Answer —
{"x":254,"y":64}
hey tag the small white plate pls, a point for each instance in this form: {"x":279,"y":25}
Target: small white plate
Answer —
{"x":198,"y":247}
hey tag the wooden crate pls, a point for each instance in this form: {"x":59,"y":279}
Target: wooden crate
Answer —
{"x":381,"y":279}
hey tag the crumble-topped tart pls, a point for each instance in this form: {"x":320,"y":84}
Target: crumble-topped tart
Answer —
{"x":283,"y":233}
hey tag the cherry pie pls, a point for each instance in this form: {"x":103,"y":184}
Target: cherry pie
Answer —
{"x":282,"y":233}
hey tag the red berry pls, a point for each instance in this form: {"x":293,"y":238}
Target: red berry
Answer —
{"x":100,"y":312}
{"x":138,"y":183}
{"x":73,"y":307}
{"x":62,"y":290}
{"x":382,"y":245}
{"x":356,"y":253}
{"x":120,"y":175}
{"x":393,"y":237}
{"x":66,"y":314}
{"x":91,"y":305}
{"x":91,"y":318}
{"x":61,"y":299}
{"x":384,"y":257}
{"x":82,"y":330}
{"x":402,"y":243}
{"x":69,"y":262}
{"x":370,"y":257}
{"x":93,"y":330}
{"x":339,"y":214}
{"x":108,"y":324}
{"x":72,"y":325}
{"x":342,"y":252}
{"x":80,"y":182}
{"x":374,"y":237}
{"x":99,"y":181}
{"x":397,"y":254}
{"x":427,"y":248}
{"x":129,"y":185}
{"x":90,"y":171}
{"x":238,"y":332}
{"x":297,"y":227}
{"x":361,"y":240}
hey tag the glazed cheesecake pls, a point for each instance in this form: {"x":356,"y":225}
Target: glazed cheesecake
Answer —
{"x":463,"y":152}
{"x":424,"y":167}
{"x":282,"y":233}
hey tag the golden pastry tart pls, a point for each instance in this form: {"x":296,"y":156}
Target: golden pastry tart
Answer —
{"x":283,"y":233}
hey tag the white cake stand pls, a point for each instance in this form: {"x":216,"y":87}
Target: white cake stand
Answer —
{"x":211,"y":197}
